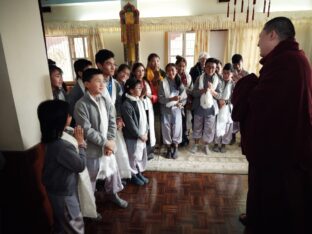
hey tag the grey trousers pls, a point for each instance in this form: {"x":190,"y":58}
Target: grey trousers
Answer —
{"x":67,"y":217}
{"x":112,"y":184}
{"x":171,"y":127}
{"x":135,"y":164}
{"x":227,"y":137}
{"x":204,"y":127}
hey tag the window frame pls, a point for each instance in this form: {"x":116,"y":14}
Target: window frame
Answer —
{"x":183,"y":46}
{"x":72,"y":50}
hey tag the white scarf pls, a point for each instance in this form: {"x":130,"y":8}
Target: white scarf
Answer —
{"x":105,"y":92}
{"x":142,"y":126}
{"x":149,"y":107}
{"x":85,"y":192}
{"x":169,"y":94}
{"x":108,"y":165}
{"x":224,"y":115}
{"x":206,"y":99}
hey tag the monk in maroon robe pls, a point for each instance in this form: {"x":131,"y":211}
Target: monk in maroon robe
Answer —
{"x":275,"y":113}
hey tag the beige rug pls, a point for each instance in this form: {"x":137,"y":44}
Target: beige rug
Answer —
{"x":231,"y":162}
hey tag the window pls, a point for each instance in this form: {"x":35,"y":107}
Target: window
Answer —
{"x":65,"y":50}
{"x":181,"y":44}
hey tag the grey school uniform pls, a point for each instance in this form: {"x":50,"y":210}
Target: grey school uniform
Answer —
{"x":131,"y":116}
{"x":87,"y":116}
{"x":59,"y":94}
{"x":171,"y":117}
{"x":62,"y":164}
{"x":75,"y":94}
{"x":227,"y":137}
{"x":204,"y":119}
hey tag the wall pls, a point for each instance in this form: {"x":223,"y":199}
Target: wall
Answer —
{"x":151,"y":42}
{"x":217,"y":44}
{"x":24,"y":73}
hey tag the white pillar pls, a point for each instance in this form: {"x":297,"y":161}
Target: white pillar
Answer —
{"x":24,"y":75}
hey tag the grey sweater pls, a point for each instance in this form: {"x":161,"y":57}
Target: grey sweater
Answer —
{"x":62,"y":164}
{"x":87,"y":115}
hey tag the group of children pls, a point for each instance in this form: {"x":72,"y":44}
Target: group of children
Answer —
{"x":118,"y":117}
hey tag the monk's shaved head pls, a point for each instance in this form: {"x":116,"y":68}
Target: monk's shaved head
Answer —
{"x":282,"y":26}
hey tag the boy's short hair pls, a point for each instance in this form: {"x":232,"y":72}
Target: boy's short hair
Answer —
{"x":52,"y":115}
{"x":88,"y":74}
{"x":211,"y":60}
{"x":81,"y":64}
{"x":103,"y":55}
{"x":228,"y":67}
{"x":236,"y":58}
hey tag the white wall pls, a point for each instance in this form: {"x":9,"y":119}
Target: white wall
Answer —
{"x":217,"y":44}
{"x":153,"y":42}
{"x":112,"y":42}
{"x":24,"y":73}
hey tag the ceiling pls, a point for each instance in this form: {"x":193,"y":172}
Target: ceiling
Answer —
{"x":81,"y":10}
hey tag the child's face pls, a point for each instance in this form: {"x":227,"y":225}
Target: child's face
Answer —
{"x":210,"y":69}
{"x":108,"y":67}
{"x":139,"y":73}
{"x":238,"y":66}
{"x":56,"y":79}
{"x":123,"y":76}
{"x":96,"y":85}
{"x":219,"y":68}
{"x":227,"y":75}
{"x":154,"y":64}
{"x":181,"y":67}
{"x":171,"y":72}
{"x":136,"y":92}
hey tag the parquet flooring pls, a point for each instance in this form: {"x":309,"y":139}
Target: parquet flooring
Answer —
{"x":177,"y":203}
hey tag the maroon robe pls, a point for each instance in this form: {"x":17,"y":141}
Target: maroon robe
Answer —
{"x":275,"y":112}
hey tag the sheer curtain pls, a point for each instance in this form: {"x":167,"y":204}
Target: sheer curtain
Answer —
{"x":244,"y":41}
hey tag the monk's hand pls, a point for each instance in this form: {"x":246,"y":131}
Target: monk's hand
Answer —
{"x":143,"y":137}
{"x":78,"y":134}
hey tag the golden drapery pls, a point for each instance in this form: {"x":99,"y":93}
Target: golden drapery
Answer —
{"x":201,"y":43}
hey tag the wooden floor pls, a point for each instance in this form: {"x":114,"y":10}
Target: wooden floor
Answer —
{"x":177,"y":203}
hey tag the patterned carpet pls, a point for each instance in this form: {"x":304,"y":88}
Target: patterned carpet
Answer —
{"x":231,"y":162}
